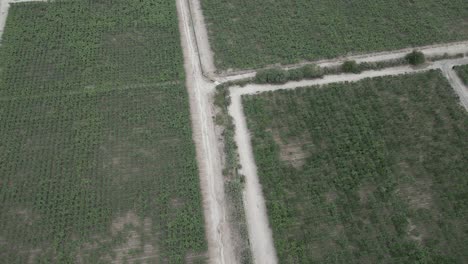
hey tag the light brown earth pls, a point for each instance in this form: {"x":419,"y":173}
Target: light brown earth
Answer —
{"x":202,"y":111}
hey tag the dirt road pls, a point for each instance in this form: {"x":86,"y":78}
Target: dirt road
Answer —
{"x":208,"y":156}
{"x":202,"y":39}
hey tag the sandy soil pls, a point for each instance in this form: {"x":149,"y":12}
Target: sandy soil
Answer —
{"x":201,"y":34}
{"x":433,"y":50}
{"x":260,"y":234}
{"x":212,"y":185}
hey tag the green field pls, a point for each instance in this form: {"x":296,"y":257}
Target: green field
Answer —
{"x":463,"y":73}
{"x":366,"y":172}
{"x":97,"y":161}
{"x":255,"y":33}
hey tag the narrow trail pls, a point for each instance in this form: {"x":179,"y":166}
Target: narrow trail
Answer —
{"x":210,"y":166}
{"x":260,"y":234}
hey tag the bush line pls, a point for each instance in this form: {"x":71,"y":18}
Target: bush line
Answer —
{"x":312,"y":71}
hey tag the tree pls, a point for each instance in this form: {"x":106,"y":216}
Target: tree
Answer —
{"x":415,"y":58}
{"x":350,"y":67}
{"x":271,"y":76}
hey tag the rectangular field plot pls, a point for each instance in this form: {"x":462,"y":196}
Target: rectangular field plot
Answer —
{"x":71,"y":45}
{"x":250,"y":34}
{"x":366,"y":172}
{"x":462,"y":71}
{"x":97,"y":161}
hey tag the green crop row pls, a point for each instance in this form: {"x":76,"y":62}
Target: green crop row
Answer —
{"x":255,"y":33}
{"x":71,"y":45}
{"x":463,"y":73}
{"x":97,"y":162}
{"x":365,"y":172}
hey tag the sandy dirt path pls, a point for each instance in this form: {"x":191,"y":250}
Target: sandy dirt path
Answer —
{"x":433,"y":50}
{"x":208,"y":156}
{"x":202,"y":39}
{"x":260,"y":233}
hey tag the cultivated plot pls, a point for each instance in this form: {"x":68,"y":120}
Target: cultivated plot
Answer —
{"x":365,"y":172}
{"x":462,"y":71}
{"x":290,"y":31}
{"x":97,"y":159}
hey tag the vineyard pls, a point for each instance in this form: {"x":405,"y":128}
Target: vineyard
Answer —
{"x":463,"y":73}
{"x":291,"y":31}
{"x":97,"y":162}
{"x":366,"y":172}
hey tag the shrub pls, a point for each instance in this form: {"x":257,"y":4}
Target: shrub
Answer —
{"x":296,"y":74}
{"x":416,"y":58}
{"x":312,"y":71}
{"x":350,"y":67}
{"x":271,"y":76}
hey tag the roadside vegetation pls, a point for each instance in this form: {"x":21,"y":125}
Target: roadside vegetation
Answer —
{"x":416,"y":58}
{"x":97,"y":159}
{"x":312,"y":71}
{"x":463,"y":73}
{"x":234,"y":182}
{"x":365,"y":172}
{"x":288,"y":32}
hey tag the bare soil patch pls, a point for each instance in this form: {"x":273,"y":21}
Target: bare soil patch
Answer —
{"x":418,"y":194}
{"x":292,"y":152}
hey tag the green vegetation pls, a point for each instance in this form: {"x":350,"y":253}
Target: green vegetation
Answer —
{"x":312,"y":71}
{"x":416,"y":58}
{"x":463,"y":73}
{"x":290,"y":31}
{"x":97,"y":163}
{"x":366,"y":172}
{"x":272,"y":76}
{"x":279,"y":76}
{"x":350,"y":67}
